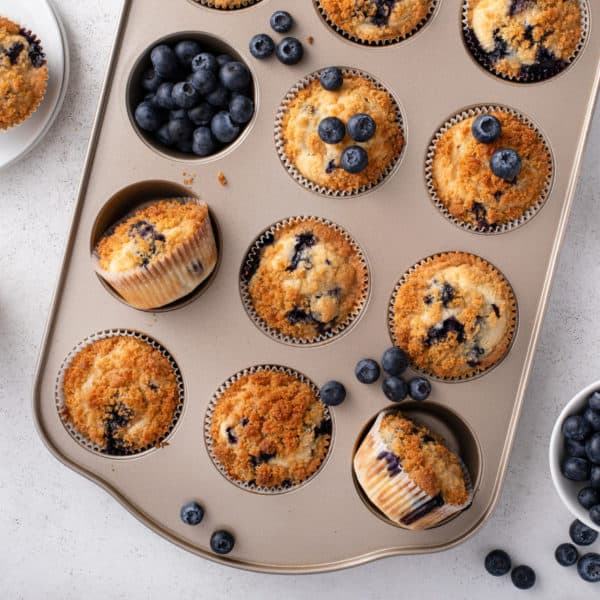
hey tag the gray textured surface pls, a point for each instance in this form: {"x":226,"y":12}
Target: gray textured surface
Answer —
{"x":63,"y":537}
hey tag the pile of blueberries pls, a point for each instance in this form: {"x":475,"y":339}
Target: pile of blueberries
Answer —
{"x":196,"y":101}
{"x":221,"y":541}
{"x":289,"y":51}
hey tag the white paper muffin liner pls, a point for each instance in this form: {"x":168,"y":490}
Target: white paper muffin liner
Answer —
{"x":82,"y":439}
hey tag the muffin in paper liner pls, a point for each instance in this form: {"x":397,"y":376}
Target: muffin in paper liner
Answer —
{"x":160,"y":278}
{"x":227,"y":4}
{"x":23,"y":74}
{"x":375,"y":19}
{"x":359,"y":291}
{"x":540,"y":172}
{"x":389,"y":123}
{"x":392,"y":489}
{"x":248,"y":471}
{"x":533,"y":60}
{"x":452,"y":349}
{"x":112,"y":449}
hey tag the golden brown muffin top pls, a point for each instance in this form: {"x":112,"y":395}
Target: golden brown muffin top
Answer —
{"x":309,"y":279}
{"x":526,"y":37}
{"x":454,"y":315}
{"x":376,"y":20}
{"x":463,"y":180}
{"x":228,"y":3}
{"x":150,"y":233}
{"x":121,"y":393}
{"x":270,"y":429}
{"x":23,"y":74}
{"x":320,"y":162}
{"x":424,"y":457}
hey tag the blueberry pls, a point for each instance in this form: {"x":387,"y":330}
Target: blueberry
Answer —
{"x":223,"y":128}
{"x":333,"y":393}
{"x":191,"y":513}
{"x":186,"y":50}
{"x":150,"y":98}
{"x":241,"y":109}
{"x":204,"y":81}
{"x":163,"y":135}
{"x":222,"y":542}
{"x":394,"y":361}
{"x":204,"y":143}
{"x":595,"y":477}
{"x":180,"y":113}
{"x":588,"y":567}
{"x":261,"y":45}
{"x":576,"y":469}
{"x":223,"y":59}
{"x":581,"y":534}
{"x":219,"y":97}
{"x":595,"y":514}
{"x":164,"y":96}
{"x":594,"y":401}
{"x":566,"y":555}
{"x":593,"y":418}
{"x":235,"y":76}
{"x":151,"y":80}
{"x":367,"y":370}
{"x":497,"y":563}
{"x":486,"y":129}
{"x":523,"y":577}
{"x":588,"y":497}
{"x":185,"y":95}
{"x":592,"y":448}
{"x":281,"y":21}
{"x":361,"y":127}
{"x":205,"y":60}
{"x":331,"y":79}
{"x":164,"y":61}
{"x":394,"y":388}
{"x":354,"y":159}
{"x":289,"y":51}
{"x":201,"y":114}
{"x":419,"y":388}
{"x":331,"y":130}
{"x":575,"y":448}
{"x":506,"y":163}
{"x":186,"y":146}
{"x":148,"y":117}
{"x":576,"y":428}
{"x":181,"y":130}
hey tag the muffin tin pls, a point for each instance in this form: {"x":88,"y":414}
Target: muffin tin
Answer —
{"x":326,"y":523}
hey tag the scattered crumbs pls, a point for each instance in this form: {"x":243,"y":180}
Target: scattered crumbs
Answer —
{"x":162,"y":444}
{"x":310,"y":39}
{"x":221,"y":177}
{"x":188,"y":179}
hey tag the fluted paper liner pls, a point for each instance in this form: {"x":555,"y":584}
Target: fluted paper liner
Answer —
{"x":235,"y":6}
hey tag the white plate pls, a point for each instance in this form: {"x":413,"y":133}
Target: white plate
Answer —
{"x":41,"y":18}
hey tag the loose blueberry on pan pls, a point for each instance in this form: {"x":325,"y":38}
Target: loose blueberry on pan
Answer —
{"x":333,"y":393}
{"x":581,"y":534}
{"x":497,"y":563}
{"x":191,"y":513}
{"x":222,"y":542}
{"x":394,"y":388}
{"x":394,"y":361}
{"x":289,"y":51}
{"x":419,"y":389}
{"x":523,"y":577}
{"x":261,"y":46}
{"x":566,"y":555}
{"x":281,"y":21}
{"x":367,"y":370}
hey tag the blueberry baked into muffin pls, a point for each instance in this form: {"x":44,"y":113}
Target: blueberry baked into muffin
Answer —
{"x":269,"y":429}
{"x":23,"y":74}
{"x":489,"y":170}
{"x":308,"y":279}
{"x":409,"y":474}
{"x":121,"y":393}
{"x":159,"y":254}
{"x":377,"y":20}
{"x":454,"y":315}
{"x":524,"y":40}
{"x":340,"y":131}
{"x":227,"y":4}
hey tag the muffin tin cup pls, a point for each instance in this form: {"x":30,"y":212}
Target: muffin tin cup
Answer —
{"x":376,"y":43}
{"x":480,"y":57}
{"x":311,"y":185}
{"x":249,"y":487}
{"x":253,"y":255}
{"x":82,"y":439}
{"x":476,"y":372}
{"x":498,"y":228}
{"x":237,"y":6}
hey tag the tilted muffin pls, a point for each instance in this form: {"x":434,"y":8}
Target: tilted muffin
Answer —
{"x":454,"y":315}
{"x":121,"y":393}
{"x":377,"y":20}
{"x":23,"y":74}
{"x":159,"y":254}
{"x":526,"y":40}
{"x":269,"y":429}
{"x":308,"y":279}
{"x":409,"y":474}
{"x":463,"y":181}
{"x":320,"y":162}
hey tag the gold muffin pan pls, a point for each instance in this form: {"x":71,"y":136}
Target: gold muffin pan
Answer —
{"x":210,"y":335}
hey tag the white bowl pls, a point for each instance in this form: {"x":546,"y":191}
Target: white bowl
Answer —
{"x":567,"y":489}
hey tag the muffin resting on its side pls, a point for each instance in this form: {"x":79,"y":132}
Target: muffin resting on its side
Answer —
{"x":269,"y":429}
{"x":121,"y":393}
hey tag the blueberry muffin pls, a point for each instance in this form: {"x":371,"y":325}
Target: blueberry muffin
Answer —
{"x":463,"y":178}
{"x":121,"y":393}
{"x":269,"y":429}
{"x":454,"y":315}
{"x":23,"y":74}
{"x":307,"y":280}
{"x":409,"y":474}
{"x":377,"y":20}
{"x":158,"y":254}
{"x":525,"y":40}
{"x":227,"y":4}
{"x":321,"y":159}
